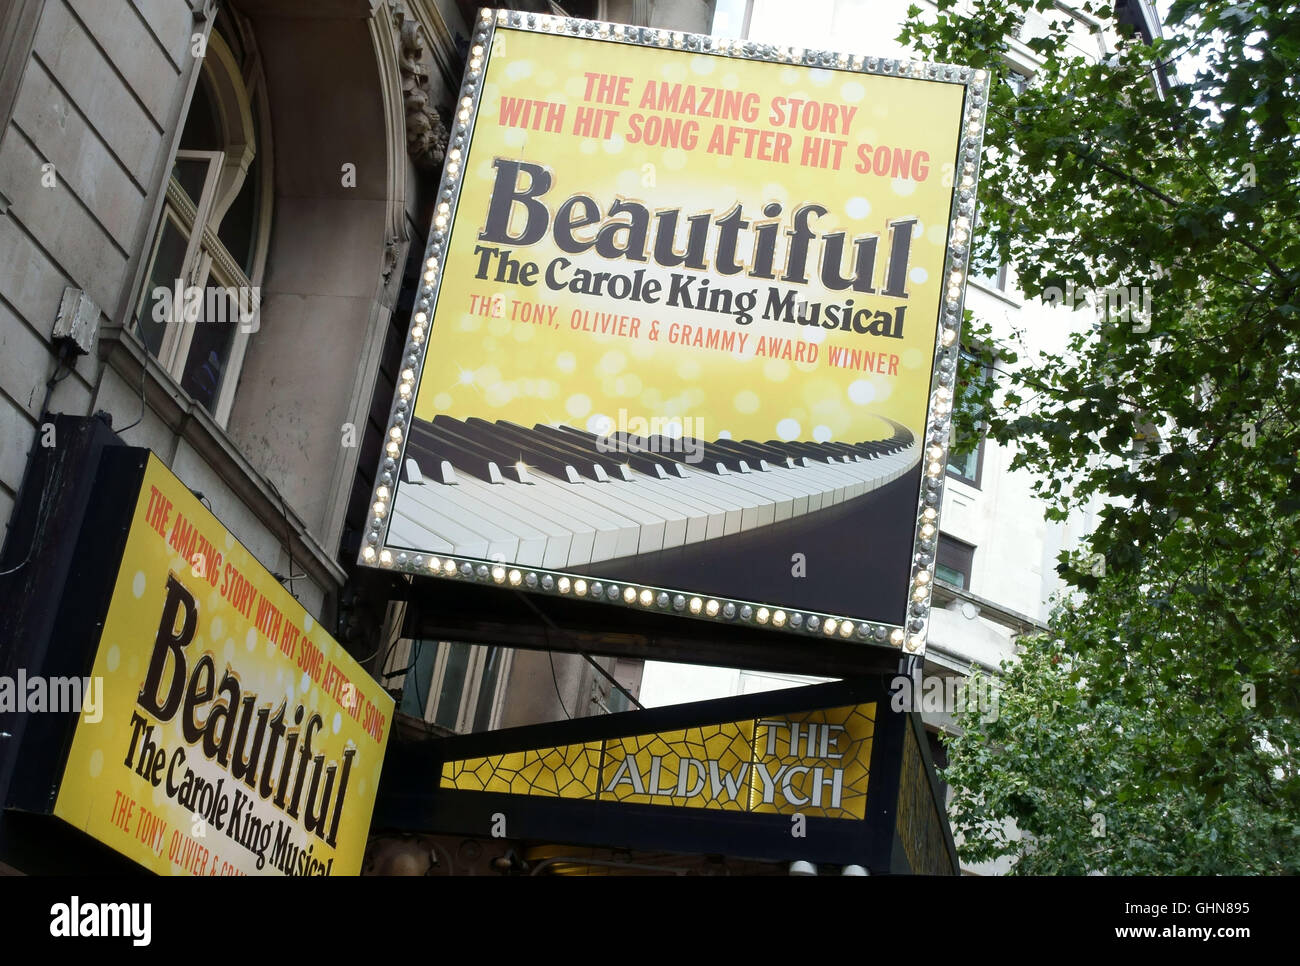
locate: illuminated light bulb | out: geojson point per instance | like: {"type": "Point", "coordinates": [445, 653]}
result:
{"type": "Point", "coordinates": [927, 530]}
{"type": "Point", "coordinates": [435, 563]}
{"type": "Point", "coordinates": [440, 221]}
{"type": "Point", "coordinates": [392, 449]}
{"type": "Point", "coordinates": [499, 574]}
{"type": "Point", "coordinates": [711, 608]}
{"type": "Point", "coordinates": [923, 577]}
{"type": "Point", "coordinates": [516, 578]}
{"type": "Point", "coordinates": [846, 629]}
{"type": "Point", "coordinates": [918, 594]}
{"type": "Point", "coordinates": [476, 51]}
{"type": "Point", "coordinates": [629, 594]}
{"type": "Point", "coordinates": [934, 452]}
{"type": "Point", "coordinates": [404, 389]}
{"type": "Point", "coordinates": [408, 375]}
{"type": "Point", "coordinates": [695, 605]}
{"type": "Point", "coordinates": [934, 469]}
{"type": "Point", "coordinates": [381, 493]}
{"type": "Point", "coordinates": [896, 636]}
{"type": "Point", "coordinates": [449, 567]}
{"type": "Point", "coordinates": [914, 642]}
{"type": "Point", "coordinates": [949, 337]}
{"type": "Point", "coordinates": [563, 585]}
{"type": "Point", "coordinates": [421, 318]}
{"type": "Point", "coordinates": [929, 514]}
{"type": "Point", "coordinates": [778, 618]}
{"type": "Point", "coordinates": [379, 508]}
{"type": "Point", "coordinates": [431, 264]}
{"type": "Point", "coordinates": [647, 598]}
{"type": "Point", "coordinates": [417, 333]}
{"type": "Point", "coordinates": [368, 554]}
{"type": "Point", "coordinates": [831, 626]}
{"type": "Point", "coordinates": [580, 588]}
{"type": "Point", "coordinates": [385, 558]}
{"type": "Point", "coordinates": [762, 615]}
{"type": "Point", "coordinates": [395, 432]}
{"type": "Point", "coordinates": [485, 13]}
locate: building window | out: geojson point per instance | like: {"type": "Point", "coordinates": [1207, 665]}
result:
{"type": "Point", "coordinates": [985, 267]}
{"type": "Point", "coordinates": [454, 685]}
{"type": "Point", "coordinates": [201, 297]}
{"type": "Point", "coordinates": [953, 561]}
{"type": "Point", "coordinates": [966, 455]}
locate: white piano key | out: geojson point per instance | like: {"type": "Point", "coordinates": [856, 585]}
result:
{"type": "Point", "coordinates": [462, 521]}
{"type": "Point", "coordinates": [620, 528]}
{"type": "Point", "coordinates": [568, 539]}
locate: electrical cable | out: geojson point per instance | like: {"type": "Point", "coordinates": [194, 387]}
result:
{"type": "Point", "coordinates": [558, 697]}
{"type": "Point", "coordinates": [562, 632]}
{"type": "Point", "coordinates": [144, 371]}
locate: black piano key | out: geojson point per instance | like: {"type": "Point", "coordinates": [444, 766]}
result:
{"type": "Point", "coordinates": [701, 455]}
{"type": "Point", "coordinates": [813, 452]}
{"type": "Point", "coordinates": [510, 446]}
{"type": "Point", "coordinates": [651, 464]}
{"type": "Point", "coordinates": [757, 451]}
{"type": "Point", "coordinates": [507, 457]}
{"type": "Point", "coordinates": [614, 464]}
{"type": "Point", "coordinates": [465, 454]}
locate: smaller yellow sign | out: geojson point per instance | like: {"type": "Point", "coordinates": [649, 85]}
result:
{"type": "Point", "coordinates": [237, 736]}
{"type": "Point", "coordinates": [813, 762]}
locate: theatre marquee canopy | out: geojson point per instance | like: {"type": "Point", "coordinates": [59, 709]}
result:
{"type": "Point", "coordinates": [686, 336]}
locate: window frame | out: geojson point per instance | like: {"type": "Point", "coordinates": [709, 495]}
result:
{"type": "Point", "coordinates": [238, 93]}
{"type": "Point", "coordinates": [965, 558]}
{"type": "Point", "coordinates": [977, 480]}
{"type": "Point", "coordinates": [470, 690]}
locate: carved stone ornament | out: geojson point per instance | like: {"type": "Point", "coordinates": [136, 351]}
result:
{"type": "Point", "coordinates": [426, 134]}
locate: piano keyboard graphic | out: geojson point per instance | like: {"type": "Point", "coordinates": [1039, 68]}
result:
{"type": "Point", "coordinates": [549, 497]}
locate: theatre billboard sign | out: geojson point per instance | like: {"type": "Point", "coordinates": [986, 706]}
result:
{"type": "Point", "coordinates": [231, 734]}
{"type": "Point", "coordinates": [686, 337]}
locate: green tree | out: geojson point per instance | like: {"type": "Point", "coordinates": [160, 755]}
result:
{"type": "Point", "coordinates": [1153, 729]}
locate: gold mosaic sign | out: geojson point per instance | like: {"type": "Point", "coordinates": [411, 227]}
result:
{"type": "Point", "coordinates": [812, 762]}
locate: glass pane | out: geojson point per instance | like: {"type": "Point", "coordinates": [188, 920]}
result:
{"type": "Point", "coordinates": [952, 576]}
{"type": "Point", "coordinates": [488, 689]}
{"type": "Point", "coordinates": [966, 464]}
{"type": "Point", "coordinates": [160, 289]}
{"type": "Point", "coordinates": [238, 229]}
{"type": "Point", "coordinates": [415, 690]}
{"type": "Point", "coordinates": [214, 334]}
{"type": "Point", "coordinates": [190, 173]}
{"type": "Point", "coordinates": [201, 132]}
{"type": "Point", "coordinates": [453, 685]}
{"type": "Point", "coordinates": [984, 264]}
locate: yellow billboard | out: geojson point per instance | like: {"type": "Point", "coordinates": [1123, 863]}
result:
{"type": "Point", "coordinates": [237, 736]}
{"type": "Point", "coordinates": [686, 312]}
